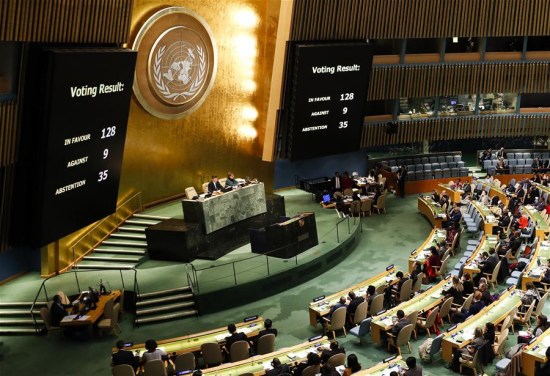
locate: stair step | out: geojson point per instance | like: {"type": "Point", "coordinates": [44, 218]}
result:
{"type": "Point", "coordinates": [163, 292]}
{"type": "Point", "coordinates": [166, 299]}
{"type": "Point", "coordinates": [168, 316]}
{"type": "Point", "coordinates": [121, 251]}
{"type": "Point", "coordinates": [164, 308]}
{"type": "Point", "coordinates": [18, 321]}
{"type": "Point", "coordinates": [111, 258]}
{"type": "Point", "coordinates": [125, 243]}
{"type": "Point", "coordinates": [106, 265]}
{"type": "Point", "coordinates": [137, 229]}
{"type": "Point", "coordinates": [149, 216]}
{"type": "Point", "coordinates": [126, 235]}
{"type": "Point", "coordinates": [141, 222]}
{"type": "Point", "coordinates": [16, 330]}
{"type": "Point", "coordinates": [18, 312]}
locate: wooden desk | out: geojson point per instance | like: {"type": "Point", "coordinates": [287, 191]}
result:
{"type": "Point", "coordinates": [432, 211]}
{"type": "Point", "coordinates": [421, 302]}
{"type": "Point", "coordinates": [543, 189]}
{"type": "Point", "coordinates": [322, 307]}
{"type": "Point", "coordinates": [258, 364]}
{"type": "Point", "coordinates": [535, 352]}
{"type": "Point", "coordinates": [384, 368]}
{"type": "Point", "coordinates": [192, 342]}
{"type": "Point", "coordinates": [471, 265]}
{"type": "Point", "coordinates": [534, 270]}
{"type": "Point", "coordinates": [455, 195]}
{"type": "Point", "coordinates": [463, 334]}
{"type": "Point", "coordinates": [422, 253]}
{"type": "Point", "coordinates": [92, 315]}
{"type": "Point", "coordinates": [494, 190]}
{"type": "Point", "coordinates": [487, 216]}
{"type": "Point", "coordinates": [542, 228]}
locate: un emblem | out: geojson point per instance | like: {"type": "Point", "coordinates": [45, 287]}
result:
{"type": "Point", "coordinates": [176, 63]}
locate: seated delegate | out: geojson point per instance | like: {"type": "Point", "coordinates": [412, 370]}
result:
{"type": "Point", "coordinates": [231, 181]}
{"type": "Point", "coordinates": [214, 185]}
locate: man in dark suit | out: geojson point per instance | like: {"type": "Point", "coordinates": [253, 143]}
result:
{"type": "Point", "coordinates": [267, 329]}
{"type": "Point", "coordinates": [401, 322]}
{"type": "Point", "coordinates": [333, 349]}
{"type": "Point", "coordinates": [234, 337]}
{"type": "Point", "coordinates": [124, 356]}
{"type": "Point", "coordinates": [401, 179]}
{"type": "Point", "coordinates": [354, 301]}
{"type": "Point", "coordinates": [57, 311]}
{"type": "Point", "coordinates": [214, 185]}
{"type": "Point", "coordinates": [336, 182]}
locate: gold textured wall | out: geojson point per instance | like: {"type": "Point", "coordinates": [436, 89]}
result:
{"type": "Point", "coordinates": [163, 157]}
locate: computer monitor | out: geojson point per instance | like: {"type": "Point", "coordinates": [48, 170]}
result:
{"type": "Point", "coordinates": [453, 102]}
{"type": "Point", "coordinates": [326, 198]}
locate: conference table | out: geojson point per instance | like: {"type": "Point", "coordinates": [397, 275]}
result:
{"type": "Point", "coordinates": [542, 227]}
{"type": "Point", "coordinates": [423, 302]}
{"type": "Point", "coordinates": [221, 210]}
{"type": "Point", "coordinates": [455, 195]}
{"type": "Point", "coordinates": [534, 271]}
{"type": "Point", "coordinates": [432, 210]}
{"type": "Point", "coordinates": [91, 316]}
{"type": "Point", "coordinates": [472, 265]}
{"type": "Point", "coordinates": [422, 253]}
{"type": "Point", "coordinates": [462, 334]}
{"type": "Point", "coordinates": [192, 342]}
{"type": "Point", "coordinates": [320, 306]}
{"type": "Point", "coordinates": [535, 352]}
{"type": "Point", "coordinates": [258, 365]}
{"type": "Point", "coordinates": [394, 363]}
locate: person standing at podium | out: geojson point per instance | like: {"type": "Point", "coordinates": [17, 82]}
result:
{"type": "Point", "coordinates": [214, 185]}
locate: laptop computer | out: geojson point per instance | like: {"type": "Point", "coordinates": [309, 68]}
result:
{"type": "Point", "coordinates": [326, 198]}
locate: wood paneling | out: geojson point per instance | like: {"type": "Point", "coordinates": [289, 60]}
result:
{"type": "Point", "coordinates": [394, 19]}
{"type": "Point", "coordinates": [455, 128]}
{"type": "Point", "coordinates": [413, 81]}
{"type": "Point", "coordinates": [65, 21]}
{"type": "Point", "coordinates": [8, 132]}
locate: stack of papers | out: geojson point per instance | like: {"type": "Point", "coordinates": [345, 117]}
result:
{"type": "Point", "coordinates": [220, 337]}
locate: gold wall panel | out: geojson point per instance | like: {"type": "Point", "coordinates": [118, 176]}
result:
{"type": "Point", "coordinates": [163, 157]}
{"type": "Point", "coordinates": [65, 21]}
{"type": "Point", "coordinates": [456, 128]}
{"type": "Point", "coordinates": [396, 81]}
{"type": "Point", "coordinates": [393, 19]}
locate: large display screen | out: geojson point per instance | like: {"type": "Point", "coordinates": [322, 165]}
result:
{"type": "Point", "coordinates": [83, 120]}
{"type": "Point", "coordinates": [329, 89]}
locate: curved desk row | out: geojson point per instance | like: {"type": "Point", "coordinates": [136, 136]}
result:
{"type": "Point", "coordinates": [533, 272]}
{"type": "Point", "coordinates": [258, 365]}
{"type": "Point", "coordinates": [421, 254]}
{"type": "Point", "coordinates": [542, 227]}
{"type": "Point", "coordinates": [422, 303]}
{"type": "Point", "coordinates": [432, 210]}
{"type": "Point", "coordinates": [192, 342]}
{"type": "Point", "coordinates": [535, 352]}
{"type": "Point", "coordinates": [463, 334]}
{"type": "Point", "coordinates": [321, 306]}
{"type": "Point", "coordinates": [471, 266]}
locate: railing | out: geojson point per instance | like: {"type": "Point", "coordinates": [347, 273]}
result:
{"type": "Point", "coordinates": [262, 263]}
{"type": "Point", "coordinates": [101, 230]}
{"type": "Point", "coordinates": [62, 282]}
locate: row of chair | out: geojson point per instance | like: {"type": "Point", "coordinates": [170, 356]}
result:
{"type": "Point", "coordinates": [438, 174]}
{"type": "Point", "coordinates": [422, 160]}
{"type": "Point", "coordinates": [523, 155]}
